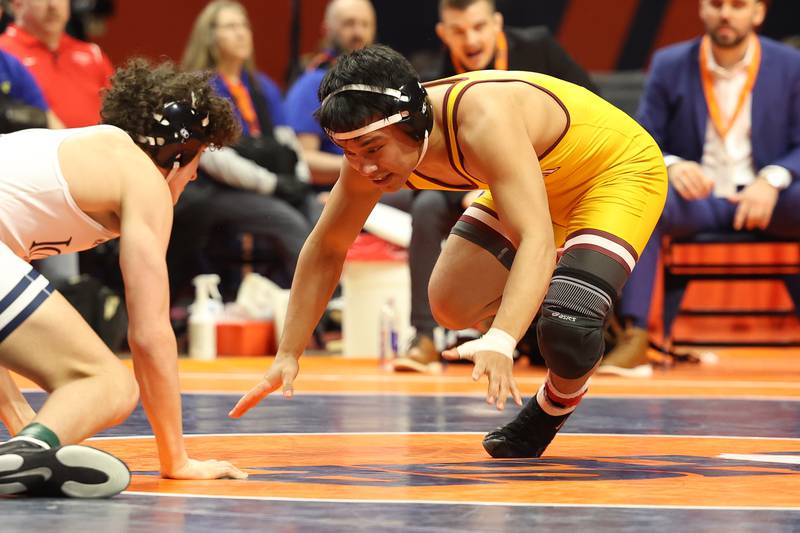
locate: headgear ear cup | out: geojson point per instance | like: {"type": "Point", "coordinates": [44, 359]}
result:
{"type": "Point", "coordinates": [421, 117]}
{"type": "Point", "coordinates": [177, 136]}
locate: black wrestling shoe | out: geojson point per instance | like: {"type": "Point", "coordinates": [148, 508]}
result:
{"type": "Point", "coordinates": [69, 471]}
{"type": "Point", "coordinates": [526, 436]}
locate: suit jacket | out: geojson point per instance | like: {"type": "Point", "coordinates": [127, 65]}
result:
{"type": "Point", "coordinates": [673, 108]}
{"type": "Point", "coordinates": [532, 49]}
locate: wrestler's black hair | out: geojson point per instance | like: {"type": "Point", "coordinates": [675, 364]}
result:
{"type": "Point", "coordinates": [375, 66]}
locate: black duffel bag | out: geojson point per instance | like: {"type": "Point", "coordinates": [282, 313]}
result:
{"type": "Point", "coordinates": [102, 308]}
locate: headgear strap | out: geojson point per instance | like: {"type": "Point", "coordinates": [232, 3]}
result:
{"type": "Point", "coordinates": [400, 116]}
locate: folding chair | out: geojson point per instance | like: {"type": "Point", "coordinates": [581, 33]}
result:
{"type": "Point", "coordinates": [678, 274]}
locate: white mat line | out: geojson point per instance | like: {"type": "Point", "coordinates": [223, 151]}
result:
{"type": "Point", "coordinates": [687, 396]}
{"type": "Point", "coordinates": [762, 458]}
{"type": "Point", "coordinates": [392, 433]}
{"type": "Point", "coordinates": [473, 503]}
{"type": "Point", "coordinates": [395, 378]}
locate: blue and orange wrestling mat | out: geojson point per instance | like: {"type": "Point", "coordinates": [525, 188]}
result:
{"type": "Point", "coordinates": [697, 448]}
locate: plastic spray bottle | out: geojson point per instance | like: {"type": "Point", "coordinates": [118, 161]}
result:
{"type": "Point", "coordinates": [388, 334]}
{"type": "Point", "coordinates": [203, 315]}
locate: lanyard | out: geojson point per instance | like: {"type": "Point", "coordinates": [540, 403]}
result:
{"type": "Point", "coordinates": [500, 55]}
{"type": "Point", "coordinates": [708, 85]}
{"type": "Point", "coordinates": [244, 103]}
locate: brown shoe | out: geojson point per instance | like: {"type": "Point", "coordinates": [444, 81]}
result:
{"type": "Point", "coordinates": [629, 357]}
{"type": "Point", "coordinates": [421, 356]}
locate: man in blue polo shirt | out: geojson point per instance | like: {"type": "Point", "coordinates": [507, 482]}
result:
{"type": "Point", "coordinates": [22, 104]}
{"type": "Point", "coordinates": [349, 25]}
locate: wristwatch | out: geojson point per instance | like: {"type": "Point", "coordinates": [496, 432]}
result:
{"type": "Point", "coordinates": [778, 177]}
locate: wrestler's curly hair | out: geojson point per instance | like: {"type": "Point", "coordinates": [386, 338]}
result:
{"type": "Point", "coordinates": [140, 88]}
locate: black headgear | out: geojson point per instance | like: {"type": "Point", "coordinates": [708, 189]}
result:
{"type": "Point", "coordinates": [177, 136]}
{"type": "Point", "coordinates": [411, 107]}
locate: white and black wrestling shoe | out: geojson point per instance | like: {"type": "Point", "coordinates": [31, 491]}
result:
{"type": "Point", "coordinates": [73, 471]}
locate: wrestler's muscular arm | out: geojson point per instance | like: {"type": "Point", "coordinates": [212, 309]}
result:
{"type": "Point", "coordinates": [145, 215]}
{"type": "Point", "coordinates": [318, 270]}
{"type": "Point", "coordinates": [498, 146]}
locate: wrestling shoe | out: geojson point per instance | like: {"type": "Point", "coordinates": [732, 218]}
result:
{"type": "Point", "coordinates": [73, 471]}
{"type": "Point", "coordinates": [527, 435]}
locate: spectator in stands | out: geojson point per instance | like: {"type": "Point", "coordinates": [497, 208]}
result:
{"type": "Point", "coordinates": [22, 104]}
{"type": "Point", "coordinates": [71, 73]}
{"type": "Point", "coordinates": [88, 18]}
{"type": "Point", "coordinates": [725, 110]}
{"type": "Point", "coordinates": [259, 185]}
{"type": "Point", "coordinates": [474, 39]}
{"type": "Point", "coordinates": [5, 18]}
{"type": "Point", "coordinates": [349, 25]}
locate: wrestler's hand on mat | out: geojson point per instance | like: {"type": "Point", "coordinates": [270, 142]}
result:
{"type": "Point", "coordinates": [282, 372]}
{"type": "Point", "coordinates": [755, 204]}
{"type": "Point", "coordinates": [211, 469]}
{"type": "Point", "coordinates": [689, 180]}
{"type": "Point", "coordinates": [495, 365]}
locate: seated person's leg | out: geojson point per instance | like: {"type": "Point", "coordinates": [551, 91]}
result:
{"type": "Point", "coordinates": [402, 199]}
{"type": "Point", "coordinates": [191, 224]}
{"type": "Point", "coordinates": [281, 223]}
{"type": "Point", "coordinates": [785, 221]}
{"type": "Point", "coordinates": [433, 213]}
{"type": "Point", "coordinates": [680, 218]}
{"type": "Point", "coordinates": [311, 208]}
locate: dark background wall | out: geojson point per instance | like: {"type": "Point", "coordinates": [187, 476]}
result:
{"type": "Point", "coordinates": [603, 35]}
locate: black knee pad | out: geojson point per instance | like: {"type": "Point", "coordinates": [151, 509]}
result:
{"type": "Point", "coordinates": [570, 329]}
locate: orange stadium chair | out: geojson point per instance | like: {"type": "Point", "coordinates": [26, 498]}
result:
{"type": "Point", "coordinates": [680, 268]}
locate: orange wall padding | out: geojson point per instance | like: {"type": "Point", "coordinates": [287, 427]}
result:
{"type": "Point", "coordinates": [681, 22]}
{"type": "Point", "coordinates": [592, 36]}
{"type": "Point", "coordinates": [160, 28]}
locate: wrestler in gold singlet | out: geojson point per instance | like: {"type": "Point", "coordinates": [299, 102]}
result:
{"type": "Point", "coordinates": [603, 188]}
{"type": "Point", "coordinates": [604, 176]}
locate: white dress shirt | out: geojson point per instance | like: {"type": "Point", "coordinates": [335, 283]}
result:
{"type": "Point", "coordinates": [729, 161]}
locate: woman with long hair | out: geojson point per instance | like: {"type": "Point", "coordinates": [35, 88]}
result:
{"type": "Point", "coordinates": [257, 186]}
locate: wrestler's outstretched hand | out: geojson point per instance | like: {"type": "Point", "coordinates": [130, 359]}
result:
{"type": "Point", "coordinates": [282, 372]}
{"type": "Point", "coordinates": [495, 365]}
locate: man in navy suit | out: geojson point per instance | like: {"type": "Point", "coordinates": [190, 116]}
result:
{"type": "Point", "coordinates": [725, 110]}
